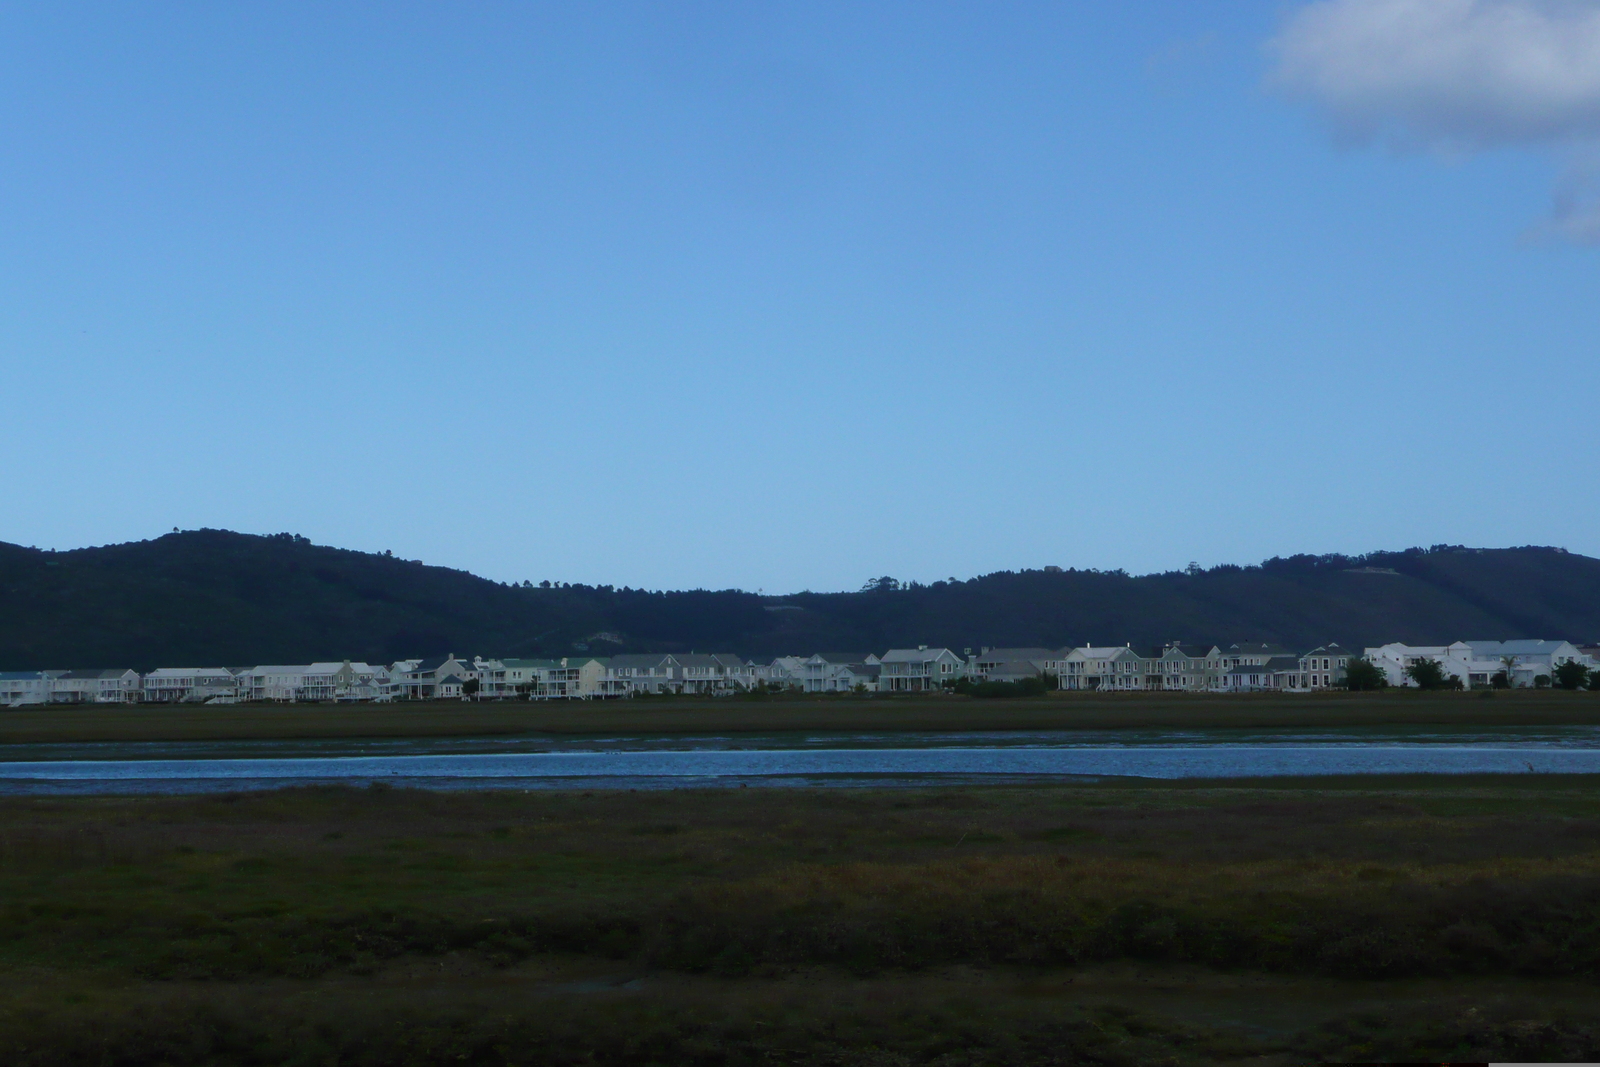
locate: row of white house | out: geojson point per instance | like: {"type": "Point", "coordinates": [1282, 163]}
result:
{"type": "Point", "coordinates": [1475, 663]}
{"type": "Point", "coordinates": [1249, 667]}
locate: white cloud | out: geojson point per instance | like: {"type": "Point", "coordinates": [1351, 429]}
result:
{"type": "Point", "coordinates": [1457, 76]}
{"type": "Point", "coordinates": [1452, 74]}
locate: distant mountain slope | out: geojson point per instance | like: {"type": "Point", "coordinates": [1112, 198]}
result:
{"type": "Point", "coordinates": [212, 597]}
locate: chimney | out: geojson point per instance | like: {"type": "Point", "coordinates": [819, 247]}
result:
{"type": "Point", "coordinates": [922, 648]}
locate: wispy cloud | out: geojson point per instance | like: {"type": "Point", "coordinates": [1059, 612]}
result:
{"type": "Point", "coordinates": [1456, 76]}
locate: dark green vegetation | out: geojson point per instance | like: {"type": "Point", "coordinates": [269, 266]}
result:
{"type": "Point", "coordinates": [216, 598]}
{"type": "Point", "coordinates": [1415, 919]}
{"type": "Point", "coordinates": [689, 715]}
{"type": "Point", "coordinates": [1363, 676]}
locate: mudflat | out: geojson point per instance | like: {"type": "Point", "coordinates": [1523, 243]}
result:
{"type": "Point", "coordinates": [683, 715]}
{"type": "Point", "coordinates": [1283, 921]}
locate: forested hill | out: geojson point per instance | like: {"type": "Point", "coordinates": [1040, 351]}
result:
{"type": "Point", "coordinates": [211, 597]}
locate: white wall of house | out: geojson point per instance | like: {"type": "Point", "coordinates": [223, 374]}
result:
{"type": "Point", "coordinates": [97, 687]}
{"type": "Point", "coordinates": [918, 669]}
{"type": "Point", "coordinates": [1103, 667]}
{"type": "Point", "coordinates": [18, 688]}
{"type": "Point", "coordinates": [174, 685]}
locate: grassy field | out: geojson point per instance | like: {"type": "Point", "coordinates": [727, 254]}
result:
{"type": "Point", "coordinates": [1064, 711]}
{"type": "Point", "coordinates": [1264, 922]}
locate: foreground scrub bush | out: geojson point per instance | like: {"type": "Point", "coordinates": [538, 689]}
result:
{"type": "Point", "coordinates": [1029, 911]}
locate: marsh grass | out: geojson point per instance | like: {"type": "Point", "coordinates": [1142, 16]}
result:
{"type": "Point", "coordinates": [184, 919]}
{"type": "Point", "coordinates": [815, 712]}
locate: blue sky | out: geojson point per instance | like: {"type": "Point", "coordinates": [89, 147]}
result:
{"type": "Point", "coordinates": [789, 296]}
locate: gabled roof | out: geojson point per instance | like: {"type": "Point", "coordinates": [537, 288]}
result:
{"type": "Point", "coordinates": [1103, 651]}
{"type": "Point", "coordinates": [841, 657]}
{"type": "Point", "coordinates": [1016, 655]}
{"type": "Point", "coordinates": [1524, 647]}
{"type": "Point", "coordinates": [915, 655]}
{"type": "Point", "coordinates": [641, 659]}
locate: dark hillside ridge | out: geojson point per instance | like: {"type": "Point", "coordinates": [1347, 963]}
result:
{"type": "Point", "coordinates": [215, 598]}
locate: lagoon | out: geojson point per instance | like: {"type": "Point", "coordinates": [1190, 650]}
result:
{"type": "Point", "coordinates": [793, 759]}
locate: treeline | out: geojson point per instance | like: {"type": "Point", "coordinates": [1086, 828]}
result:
{"type": "Point", "coordinates": [214, 597]}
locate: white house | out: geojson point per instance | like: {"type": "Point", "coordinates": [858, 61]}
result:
{"type": "Point", "coordinates": [1102, 667]}
{"type": "Point", "coordinates": [422, 680]}
{"type": "Point", "coordinates": [708, 673]}
{"type": "Point", "coordinates": [1322, 668]}
{"type": "Point", "coordinates": [1457, 659]}
{"type": "Point", "coordinates": [865, 676]}
{"type": "Point", "coordinates": [633, 673]}
{"type": "Point", "coordinates": [1193, 668]}
{"type": "Point", "coordinates": [506, 679]}
{"type": "Point", "coordinates": [174, 685]}
{"type": "Point", "coordinates": [280, 682]}
{"type": "Point", "coordinates": [918, 669]}
{"type": "Point", "coordinates": [1270, 674]}
{"type": "Point", "coordinates": [571, 678]}
{"type": "Point", "coordinates": [1251, 654]}
{"type": "Point", "coordinates": [787, 672]}
{"type": "Point", "coordinates": [828, 672]}
{"type": "Point", "coordinates": [981, 667]}
{"type": "Point", "coordinates": [344, 681]}
{"type": "Point", "coordinates": [97, 687]}
{"type": "Point", "coordinates": [25, 687]}
{"type": "Point", "coordinates": [1524, 661]}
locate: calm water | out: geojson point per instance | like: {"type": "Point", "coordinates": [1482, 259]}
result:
{"type": "Point", "coordinates": [796, 759]}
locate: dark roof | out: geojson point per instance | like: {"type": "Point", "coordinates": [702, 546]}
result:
{"type": "Point", "coordinates": [1017, 655]}
{"type": "Point", "coordinates": [640, 659]}
{"type": "Point", "coordinates": [1258, 648]}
